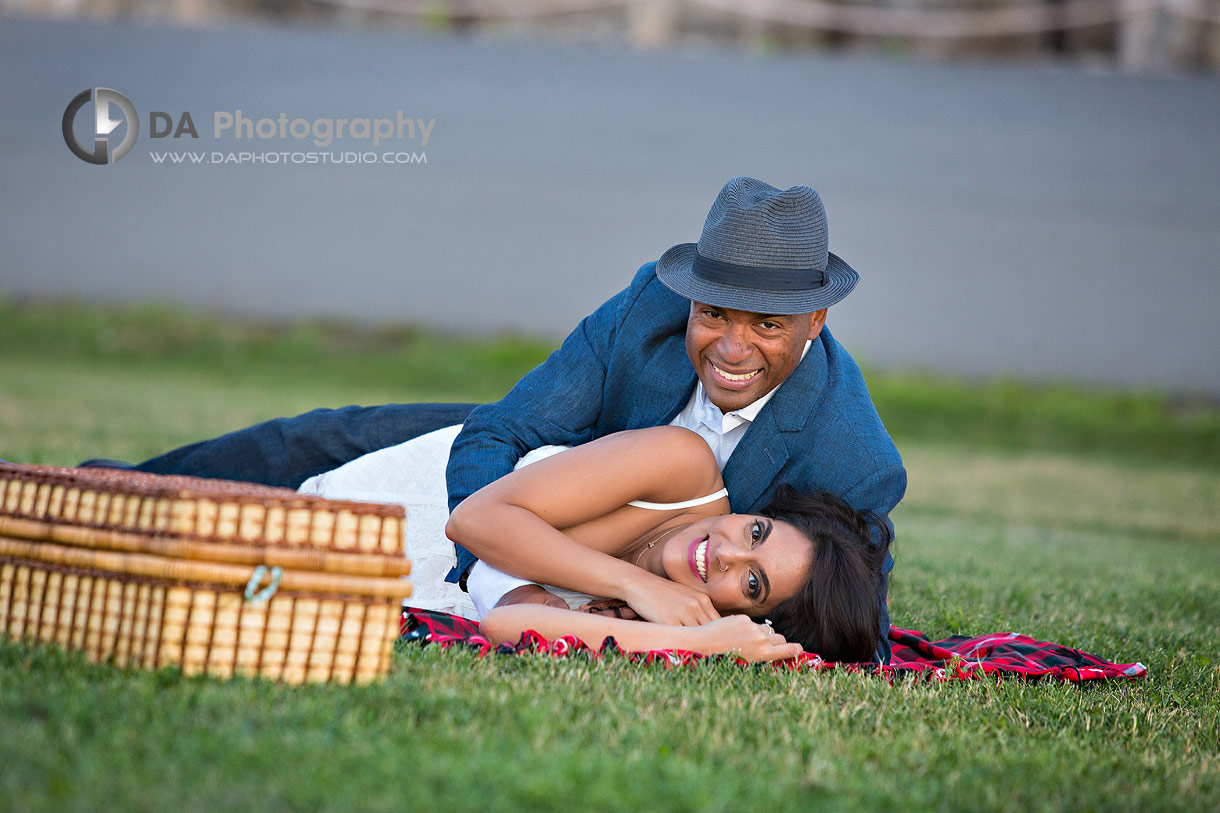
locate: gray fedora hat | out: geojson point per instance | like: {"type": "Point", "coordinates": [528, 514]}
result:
{"type": "Point", "coordinates": [762, 250]}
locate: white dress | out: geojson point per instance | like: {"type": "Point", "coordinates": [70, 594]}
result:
{"type": "Point", "coordinates": [412, 474]}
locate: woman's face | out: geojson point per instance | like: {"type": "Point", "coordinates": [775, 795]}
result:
{"type": "Point", "coordinates": [745, 563]}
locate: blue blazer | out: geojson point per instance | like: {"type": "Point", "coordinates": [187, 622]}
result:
{"type": "Point", "coordinates": [625, 367]}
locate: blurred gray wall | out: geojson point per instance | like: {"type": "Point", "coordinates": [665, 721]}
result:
{"type": "Point", "coordinates": [1028, 220]}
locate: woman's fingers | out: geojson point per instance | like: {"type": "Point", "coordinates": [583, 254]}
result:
{"type": "Point", "coordinates": [773, 651]}
{"type": "Point", "coordinates": [702, 611]}
{"type": "Point", "coordinates": [738, 635]}
{"type": "Point", "coordinates": [765, 644]}
{"type": "Point", "coordinates": [665, 602]}
{"type": "Point", "coordinates": [788, 651]}
{"type": "Point", "coordinates": [770, 647]}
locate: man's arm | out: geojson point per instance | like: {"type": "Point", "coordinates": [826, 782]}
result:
{"type": "Point", "coordinates": [558, 402]}
{"type": "Point", "coordinates": [531, 594]}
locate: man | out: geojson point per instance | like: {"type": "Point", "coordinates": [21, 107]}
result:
{"type": "Point", "coordinates": [726, 337]}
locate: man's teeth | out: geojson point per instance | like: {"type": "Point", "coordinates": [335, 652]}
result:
{"type": "Point", "coordinates": [701, 559]}
{"type": "Point", "coordinates": [732, 377]}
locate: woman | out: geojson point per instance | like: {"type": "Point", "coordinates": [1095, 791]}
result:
{"type": "Point", "coordinates": [642, 517]}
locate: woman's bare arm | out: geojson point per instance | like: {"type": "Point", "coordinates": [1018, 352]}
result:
{"type": "Point", "coordinates": [735, 633]}
{"type": "Point", "coordinates": [512, 523]}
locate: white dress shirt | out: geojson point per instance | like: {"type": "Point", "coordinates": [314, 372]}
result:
{"type": "Point", "coordinates": [721, 431]}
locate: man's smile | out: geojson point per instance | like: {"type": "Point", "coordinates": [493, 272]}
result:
{"type": "Point", "coordinates": [735, 378]}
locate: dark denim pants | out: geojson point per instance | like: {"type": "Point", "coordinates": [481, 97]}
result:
{"type": "Point", "coordinates": [287, 451]}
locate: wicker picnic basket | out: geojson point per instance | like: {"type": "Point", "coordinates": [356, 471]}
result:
{"type": "Point", "coordinates": [213, 576]}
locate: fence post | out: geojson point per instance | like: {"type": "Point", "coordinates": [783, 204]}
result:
{"type": "Point", "coordinates": [1143, 41]}
{"type": "Point", "coordinates": [652, 23]}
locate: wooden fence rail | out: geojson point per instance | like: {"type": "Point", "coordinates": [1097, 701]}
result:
{"type": "Point", "coordinates": [856, 19]}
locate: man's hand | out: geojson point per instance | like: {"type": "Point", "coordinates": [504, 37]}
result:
{"type": "Point", "coordinates": [531, 594]}
{"type": "Point", "coordinates": [610, 607]}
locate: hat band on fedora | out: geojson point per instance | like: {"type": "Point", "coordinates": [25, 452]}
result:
{"type": "Point", "coordinates": [748, 276]}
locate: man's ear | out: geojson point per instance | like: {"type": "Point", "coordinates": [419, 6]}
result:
{"type": "Point", "coordinates": [816, 320]}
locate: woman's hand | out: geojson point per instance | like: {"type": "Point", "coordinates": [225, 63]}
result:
{"type": "Point", "coordinates": [738, 635]}
{"type": "Point", "coordinates": [664, 602]}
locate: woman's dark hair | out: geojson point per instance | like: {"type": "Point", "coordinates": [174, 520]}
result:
{"type": "Point", "coordinates": [835, 612]}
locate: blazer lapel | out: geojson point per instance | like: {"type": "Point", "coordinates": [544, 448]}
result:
{"type": "Point", "coordinates": [663, 388]}
{"type": "Point", "coordinates": [759, 459]}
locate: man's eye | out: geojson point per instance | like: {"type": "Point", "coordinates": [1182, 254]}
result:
{"type": "Point", "coordinates": [712, 314]}
{"type": "Point", "coordinates": [769, 325]}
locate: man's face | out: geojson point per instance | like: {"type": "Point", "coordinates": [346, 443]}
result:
{"type": "Point", "coordinates": [741, 356]}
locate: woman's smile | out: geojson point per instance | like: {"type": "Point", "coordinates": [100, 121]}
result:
{"type": "Point", "coordinates": [744, 563]}
{"type": "Point", "coordinates": [697, 558]}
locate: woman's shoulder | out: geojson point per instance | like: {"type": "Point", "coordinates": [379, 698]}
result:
{"type": "Point", "coordinates": [683, 455]}
{"type": "Point", "coordinates": [677, 442]}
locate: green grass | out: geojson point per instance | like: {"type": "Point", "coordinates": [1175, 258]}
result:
{"type": "Point", "coordinates": [122, 380]}
{"type": "Point", "coordinates": [125, 383]}
{"type": "Point", "coordinates": [1062, 418]}
{"type": "Point", "coordinates": [1083, 517]}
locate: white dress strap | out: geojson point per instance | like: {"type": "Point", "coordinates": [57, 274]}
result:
{"type": "Point", "coordinates": [673, 506]}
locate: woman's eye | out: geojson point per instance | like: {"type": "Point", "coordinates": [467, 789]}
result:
{"type": "Point", "coordinates": [752, 584]}
{"type": "Point", "coordinates": [755, 533]}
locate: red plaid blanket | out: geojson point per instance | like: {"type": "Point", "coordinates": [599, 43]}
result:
{"type": "Point", "coordinates": [957, 657]}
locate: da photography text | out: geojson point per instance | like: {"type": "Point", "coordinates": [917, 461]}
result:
{"type": "Point", "coordinates": [323, 132]}
{"type": "Point", "coordinates": [396, 139]}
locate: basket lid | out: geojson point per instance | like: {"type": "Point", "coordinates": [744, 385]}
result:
{"type": "Point", "coordinates": [198, 508]}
